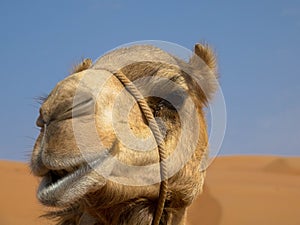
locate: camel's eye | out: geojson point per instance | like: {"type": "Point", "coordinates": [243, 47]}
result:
{"type": "Point", "coordinates": [174, 100]}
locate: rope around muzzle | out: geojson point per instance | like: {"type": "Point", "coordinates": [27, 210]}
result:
{"type": "Point", "coordinates": [159, 141]}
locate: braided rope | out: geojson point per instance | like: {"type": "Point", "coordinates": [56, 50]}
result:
{"type": "Point", "coordinates": [158, 138]}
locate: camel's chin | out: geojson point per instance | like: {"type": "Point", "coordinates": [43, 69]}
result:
{"type": "Point", "coordinates": [60, 188]}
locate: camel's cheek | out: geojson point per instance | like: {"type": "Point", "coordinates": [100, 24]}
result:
{"type": "Point", "coordinates": [104, 111]}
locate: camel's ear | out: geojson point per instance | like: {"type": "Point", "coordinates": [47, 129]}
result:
{"type": "Point", "coordinates": [205, 52]}
{"type": "Point", "coordinates": [85, 64]}
{"type": "Point", "coordinates": [204, 64]}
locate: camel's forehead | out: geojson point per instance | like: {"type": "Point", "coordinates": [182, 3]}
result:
{"type": "Point", "coordinates": [88, 83]}
{"type": "Point", "coordinates": [122, 57]}
{"type": "Point", "coordinates": [66, 87]}
{"type": "Point", "coordinates": [84, 80]}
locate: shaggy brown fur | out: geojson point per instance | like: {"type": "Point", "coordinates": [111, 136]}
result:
{"type": "Point", "coordinates": [92, 199]}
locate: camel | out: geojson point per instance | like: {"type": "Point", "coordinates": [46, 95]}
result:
{"type": "Point", "coordinates": [67, 157]}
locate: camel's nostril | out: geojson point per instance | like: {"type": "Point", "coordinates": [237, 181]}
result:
{"type": "Point", "coordinates": [40, 122]}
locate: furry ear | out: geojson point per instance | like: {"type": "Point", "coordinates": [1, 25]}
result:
{"type": "Point", "coordinates": [85, 64]}
{"type": "Point", "coordinates": [204, 66]}
{"type": "Point", "coordinates": [205, 52]}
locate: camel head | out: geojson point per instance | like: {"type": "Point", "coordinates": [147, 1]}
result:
{"type": "Point", "coordinates": [96, 155]}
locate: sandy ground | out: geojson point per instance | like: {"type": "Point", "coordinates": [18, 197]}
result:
{"type": "Point", "coordinates": [239, 190]}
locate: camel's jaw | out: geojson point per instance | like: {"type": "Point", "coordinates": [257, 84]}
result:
{"type": "Point", "coordinates": [64, 187]}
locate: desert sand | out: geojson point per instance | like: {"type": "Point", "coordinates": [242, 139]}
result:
{"type": "Point", "coordinates": [239, 190]}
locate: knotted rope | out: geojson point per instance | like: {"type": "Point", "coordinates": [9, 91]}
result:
{"type": "Point", "coordinates": [158, 138]}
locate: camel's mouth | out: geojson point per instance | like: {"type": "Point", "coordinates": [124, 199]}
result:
{"type": "Point", "coordinates": [58, 183]}
{"type": "Point", "coordinates": [58, 187]}
{"type": "Point", "coordinates": [56, 175]}
{"type": "Point", "coordinates": [55, 178]}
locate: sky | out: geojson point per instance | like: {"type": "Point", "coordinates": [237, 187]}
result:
{"type": "Point", "coordinates": [257, 45]}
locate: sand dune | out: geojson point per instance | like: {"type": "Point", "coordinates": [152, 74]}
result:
{"type": "Point", "coordinates": [18, 204]}
{"type": "Point", "coordinates": [250, 190]}
{"type": "Point", "coordinates": [238, 191]}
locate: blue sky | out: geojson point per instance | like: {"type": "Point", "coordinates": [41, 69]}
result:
{"type": "Point", "coordinates": [257, 43]}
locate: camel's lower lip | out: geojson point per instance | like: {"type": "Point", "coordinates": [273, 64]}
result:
{"type": "Point", "coordinates": [55, 178]}
{"type": "Point", "coordinates": [56, 184]}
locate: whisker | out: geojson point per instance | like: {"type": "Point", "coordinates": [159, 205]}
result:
{"type": "Point", "coordinates": [41, 99]}
{"type": "Point", "coordinates": [34, 106]}
{"type": "Point", "coordinates": [30, 138]}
